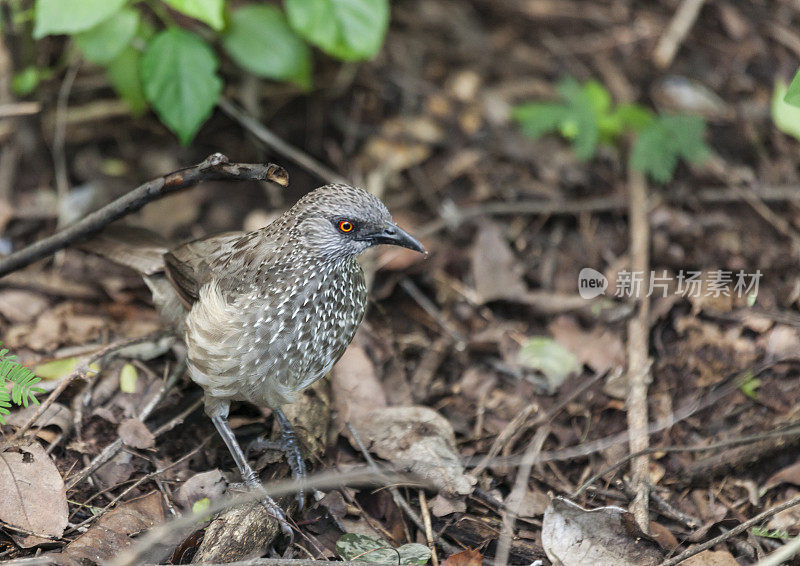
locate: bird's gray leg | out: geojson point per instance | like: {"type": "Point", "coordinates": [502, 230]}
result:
{"type": "Point", "coordinates": [290, 446]}
{"type": "Point", "coordinates": [248, 475]}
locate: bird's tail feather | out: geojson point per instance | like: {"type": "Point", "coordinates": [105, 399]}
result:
{"type": "Point", "coordinates": [131, 246]}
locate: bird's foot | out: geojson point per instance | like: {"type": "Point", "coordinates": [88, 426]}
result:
{"type": "Point", "coordinates": [290, 446]}
{"type": "Point", "coordinates": [251, 483]}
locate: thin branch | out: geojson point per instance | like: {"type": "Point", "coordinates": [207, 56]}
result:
{"type": "Point", "coordinates": [638, 350]}
{"type": "Point", "coordinates": [517, 495]}
{"type": "Point", "coordinates": [268, 138]}
{"type": "Point", "coordinates": [683, 20]}
{"type": "Point", "coordinates": [216, 167]}
{"type": "Point", "coordinates": [764, 515]}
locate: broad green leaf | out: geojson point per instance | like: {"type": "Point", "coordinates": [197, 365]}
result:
{"type": "Point", "coordinates": [550, 358]}
{"type": "Point", "coordinates": [207, 11]}
{"type": "Point", "coordinates": [128, 376]}
{"type": "Point", "coordinates": [793, 92]}
{"type": "Point", "coordinates": [123, 74]}
{"type": "Point", "coordinates": [785, 114]}
{"type": "Point", "coordinates": [364, 548]}
{"type": "Point", "coordinates": [179, 74]}
{"type": "Point", "coordinates": [260, 40]}
{"type": "Point", "coordinates": [71, 16]}
{"type": "Point", "coordinates": [346, 29]}
{"type": "Point", "coordinates": [634, 116]}
{"type": "Point", "coordinates": [106, 40]}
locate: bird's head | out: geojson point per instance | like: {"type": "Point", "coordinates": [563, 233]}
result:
{"type": "Point", "coordinates": [340, 221]}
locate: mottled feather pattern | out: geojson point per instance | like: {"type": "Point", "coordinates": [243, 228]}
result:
{"type": "Point", "coordinates": [278, 307]}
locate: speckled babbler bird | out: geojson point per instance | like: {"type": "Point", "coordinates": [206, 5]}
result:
{"type": "Point", "coordinates": [267, 313]}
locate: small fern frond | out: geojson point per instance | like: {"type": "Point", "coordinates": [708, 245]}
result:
{"type": "Point", "coordinates": [22, 382]}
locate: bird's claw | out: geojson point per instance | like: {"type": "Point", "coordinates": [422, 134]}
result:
{"type": "Point", "coordinates": [289, 445]}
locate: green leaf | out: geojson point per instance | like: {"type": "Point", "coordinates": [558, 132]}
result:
{"type": "Point", "coordinates": [26, 81]}
{"type": "Point", "coordinates": [664, 141]}
{"type": "Point", "coordinates": [106, 40]}
{"type": "Point", "coordinates": [179, 74]}
{"type": "Point", "coordinates": [128, 376]}
{"type": "Point", "coordinates": [550, 358]}
{"type": "Point", "coordinates": [123, 74]}
{"type": "Point", "coordinates": [71, 16]}
{"type": "Point", "coordinates": [260, 40]}
{"type": "Point", "coordinates": [207, 11]}
{"type": "Point", "coordinates": [56, 369]}
{"type": "Point", "coordinates": [539, 118]}
{"type": "Point", "coordinates": [346, 29]}
{"type": "Point", "coordinates": [785, 114]}
{"type": "Point", "coordinates": [792, 95]}
{"type": "Point", "coordinates": [364, 548]}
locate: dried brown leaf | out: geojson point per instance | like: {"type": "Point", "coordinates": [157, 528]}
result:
{"type": "Point", "coordinates": [468, 557]}
{"type": "Point", "coordinates": [111, 533]}
{"type": "Point", "coordinates": [711, 558]}
{"type": "Point", "coordinates": [355, 387]}
{"type": "Point", "coordinates": [496, 273]}
{"type": "Point", "coordinates": [135, 434]}
{"type": "Point", "coordinates": [419, 440]}
{"type": "Point", "coordinates": [33, 493]}
{"type": "Point", "coordinates": [606, 536]}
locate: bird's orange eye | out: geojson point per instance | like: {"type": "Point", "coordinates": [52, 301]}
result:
{"type": "Point", "coordinates": [346, 226]}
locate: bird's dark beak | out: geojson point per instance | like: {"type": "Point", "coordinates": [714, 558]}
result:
{"type": "Point", "coordinates": [396, 236]}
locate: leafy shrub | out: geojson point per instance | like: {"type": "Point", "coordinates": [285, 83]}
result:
{"type": "Point", "coordinates": [175, 70]}
{"type": "Point", "coordinates": [586, 116]}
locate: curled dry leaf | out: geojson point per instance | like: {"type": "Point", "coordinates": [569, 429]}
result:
{"type": "Point", "coordinates": [606, 536]}
{"type": "Point", "coordinates": [111, 533]}
{"type": "Point", "coordinates": [135, 434]}
{"type": "Point", "coordinates": [789, 474]}
{"type": "Point", "coordinates": [600, 349]}
{"type": "Point", "coordinates": [419, 440]}
{"type": "Point", "coordinates": [56, 415]}
{"type": "Point", "coordinates": [33, 496]}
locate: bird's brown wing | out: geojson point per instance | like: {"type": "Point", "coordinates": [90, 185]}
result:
{"type": "Point", "coordinates": [190, 266]}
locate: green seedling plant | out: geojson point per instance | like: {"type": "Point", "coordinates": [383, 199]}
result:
{"type": "Point", "coordinates": [22, 381]}
{"type": "Point", "coordinates": [353, 547]}
{"type": "Point", "coordinates": [165, 54]}
{"type": "Point", "coordinates": [586, 115]}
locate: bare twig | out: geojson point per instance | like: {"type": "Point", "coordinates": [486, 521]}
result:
{"type": "Point", "coordinates": [782, 555]}
{"type": "Point", "coordinates": [214, 168]}
{"type": "Point", "coordinates": [287, 150]}
{"type": "Point", "coordinates": [733, 532]}
{"type": "Point", "coordinates": [517, 495]}
{"type": "Point", "coordinates": [453, 216]}
{"type": "Point", "coordinates": [638, 349]}
{"type": "Point", "coordinates": [14, 109]}
{"type": "Point", "coordinates": [426, 518]}
{"type": "Point", "coordinates": [683, 20]}
{"type": "Point", "coordinates": [59, 137]}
